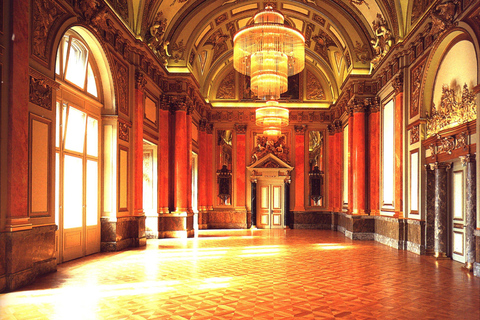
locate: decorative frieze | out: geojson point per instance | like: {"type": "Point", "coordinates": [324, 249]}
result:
{"type": "Point", "coordinates": [452, 111]}
{"type": "Point", "coordinates": [240, 128]}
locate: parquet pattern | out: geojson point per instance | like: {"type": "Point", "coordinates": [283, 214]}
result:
{"type": "Point", "coordinates": [251, 274]}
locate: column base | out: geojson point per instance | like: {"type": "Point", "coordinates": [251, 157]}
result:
{"type": "Point", "coordinates": [176, 225]}
{"type": "Point", "coordinates": [122, 233]}
{"type": "Point", "coordinates": [441, 256]}
{"type": "Point", "coordinates": [476, 269]}
{"type": "Point", "coordinates": [468, 266]}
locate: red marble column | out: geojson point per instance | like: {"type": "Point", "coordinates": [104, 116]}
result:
{"type": "Point", "coordinates": [374, 157]}
{"type": "Point", "coordinates": [137, 131]}
{"type": "Point", "coordinates": [163, 153]}
{"type": "Point", "coordinates": [210, 194]}
{"type": "Point", "coordinates": [17, 131]}
{"type": "Point", "coordinates": [240, 166]}
{"type": "Point", "coordinates": [181, 186]}
{"type": "Point", "coordinates": [350, 160]}
{"type": "Point", "coordinates": [339, 166]}
{"type": "Point", "coordinates": [398, 85]}
{"type": "Point", "coordinates": [332, 167]}
{"type": "Point", "coordinates": [359, 159]}
{"type": "Point", "coordinates": [300, 168]}
{"type": "Point", "coordinates": [202, 162]}
{"type": "Point", "coordinates": [189, 159]}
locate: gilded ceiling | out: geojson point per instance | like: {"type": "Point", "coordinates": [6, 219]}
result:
{"type": "Point", "coordinates": [342, 37]}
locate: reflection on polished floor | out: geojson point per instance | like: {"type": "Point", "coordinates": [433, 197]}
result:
{"type": "Point", "coordinates": [243, 274]}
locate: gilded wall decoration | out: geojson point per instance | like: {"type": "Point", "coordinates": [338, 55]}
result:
{"type": "Point", "coordinates": [45, 14]}
{"type": "Point", "coordinates": [382, 42]}
{"type": "Point", "coordinates": [121, 85]}
{"type": "Point", "coordinates": [308, 33]}
{"type": "Point", "coordinates": [265, 145]}
{"type": "Point", "coordinates": [221, 18]}
{"type": "Point", "coordinates": [359, 3]}
{"type": "Point", "coordinates": [121, 7]}
{"type": "Point", "coordinates": [415, 134]}
{"type": "Point", "coordinates": [320, 20]}
{"type": "Point", "coordinates": [419, 8]}
{"type": "Point", "coordinates": [231, 29]}
{"type": "Point", "coordinates": [443, 16]}
{"type": "Point", "coordinates": [191, 59]}
{"type": "Point", "coordinates": [123, 131]}
{"type": "Point", "coordinates": [203, 59]}
{"type": "Point", "coordinates": [314, 88]}
{"type": "Point", "coordinates": [177, 51]}
{"type": "Point", "coordinates": [416, 75]}
{"type": "Point", "coordinates": [322, 42]}
{"type": "Point", "coordinates": [452, 110]}
{"type": "Point", "coordinates": [40, 93]}
{"type": "Point", "coordinates": [348, 61]}
{"type": "Point", "coordinates": [155, 37]}
{"type": "Point", "coordinates": [226, 89]}
{"type": "Point", "coordinates": [361, 52]}
{"type": "Point", "coordinates": [219, 42]}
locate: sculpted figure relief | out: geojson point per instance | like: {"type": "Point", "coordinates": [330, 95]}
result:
{"type": "Point", "coordinates": [383, 40]}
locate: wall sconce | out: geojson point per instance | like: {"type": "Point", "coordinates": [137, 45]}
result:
{"type": "Point", "coordinates": [316, 184]}
{"type": "Point", "coordinates": [224, 179]}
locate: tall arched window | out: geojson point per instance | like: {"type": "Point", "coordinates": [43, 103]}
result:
{"type": "Point", "coordinates": [78, 117]}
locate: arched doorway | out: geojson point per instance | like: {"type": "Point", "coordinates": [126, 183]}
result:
{"type": "Point", "coordinates": [79, 107]}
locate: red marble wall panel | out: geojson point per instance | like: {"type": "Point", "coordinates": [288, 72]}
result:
{"type": "Point", "coordinates": [138, 153]}
{"type": "Point", "coordinates": [374, 161]}
{"type": "Point", "coordinates": [163, 161]}
{"type": "Point", "coordinates": [181, 163]}
{"type": "Point", "coordinates": [299, 172]}
{"type": "Point", "coordinates": [359, 173]}
{"type": "Point", "coordinates": [240, 171]}
{"type": "Point", "coordinates": [350, 163]}
{"type": "Point", "coordinates": [399, 154]}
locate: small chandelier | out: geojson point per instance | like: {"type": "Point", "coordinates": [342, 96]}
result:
{"type": "Point", "coordinates": [272, 118]}
{"type": "Point", "coordinates": [269, 52]}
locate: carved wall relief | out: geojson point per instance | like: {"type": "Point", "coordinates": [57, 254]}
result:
{"type": "Point", "coordinates": [415, 134]}
{"type": "Point", "coordinates": [40, 93]}
{"type": "Point", "coordinates": [121, 85]}
{"type": "Point", "coordinates": [452, 111]}
{"type": "Point", "coordinates": [45, 14]}
{"type": "Point", "coordinates": [383, 40]}
{"type": "Point", "coordinates": [219, 42]}
{"type": "Point", "coordinates": [314, 88]}
{"type": "Point", "coordinates": [416, 75]}
{"type": "Point", "coordinates": [265, 145]}
{"type": "Point", "coordinates": [177, 51]}
{"type": "Point", "coordinates": [322, 42]}
{"type": "Point", "coordinates": [226, 89]}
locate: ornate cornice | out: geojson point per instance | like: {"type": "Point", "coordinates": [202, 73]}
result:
{"type": "Point", "coordinates": [300, 129]}
{"type": "Point", "coordinates": [240, 128]}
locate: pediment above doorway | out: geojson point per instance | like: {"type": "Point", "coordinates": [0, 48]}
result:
{"type": "Point", "coordinates": [270, 166]}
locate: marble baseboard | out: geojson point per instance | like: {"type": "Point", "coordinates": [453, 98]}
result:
{"type": "Point", "coordinates": [416, 248]}
{"type": "Point", "coordinates": [476, 269]}
{"type": "Point", "coordinates": [312, 226]}
{"type": "Point", "coordinates": [364, 236]}
{"type": "Point", "coordinates": [3, 283]}
{"type": "Point", "coordinates": [176, 234]}
{"type": "Point", "coordinates": [394, 243]}
{"type": "Point", "coordinates": [220, 225]}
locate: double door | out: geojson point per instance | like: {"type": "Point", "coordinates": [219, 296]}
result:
{"type": "Point", "coordinates": [458, 213]}
{"type": "Point", "coordinates": [270, 205]}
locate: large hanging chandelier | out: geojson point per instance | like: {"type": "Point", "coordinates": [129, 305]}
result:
{"type": "Point", "coordinates": [269, 52]}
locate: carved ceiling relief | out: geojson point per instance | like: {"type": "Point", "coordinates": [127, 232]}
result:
{"type": "Point", "coordinates": [382, 42]}
{"type": "Point", "coordinates": [45, 14]}
{"type": "Point", "coordinates": [314, 88]}
{"type": "Point", "coordinates": [418, 9]}
{"type": "Point", "coordinates": [308, 34]}
{"type": "Point", "coordinates": [361, 52]}
{"type": "Point", "coordinates": [443, 16]}
{"type": "Point", "coordinates": [226, 89]}
{"type": "Point", "coordinates": [452, 111]}
{"type": "Point", "coordinates": [177, 51]}
{"type": "Point", "coordinates": [121, 7]}
{"type": "Point", "coordinates": [322, 42]}
{"type": "Point", "coordinates": [219, 42]}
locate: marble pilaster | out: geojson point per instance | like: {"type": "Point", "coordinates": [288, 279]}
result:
{"type": "Point", "coordinates": [441, 208]}
{"type": "Point", "coordinates": [430, 214]}
{"type": "Point", "coordinates": [254, 203]}
{"type": "Point", "coordinates": [471, 209]}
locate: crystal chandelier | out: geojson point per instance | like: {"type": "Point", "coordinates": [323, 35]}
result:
{"type": "Point", "coordinates": [269, 52]}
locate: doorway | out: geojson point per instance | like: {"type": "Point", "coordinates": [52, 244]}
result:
{"type": "Point", "coordinates": [150, 189]}
{"type": "Point", "coordinates": [270, 205]}
{"type": "Point", "coordinates": [458, 213]}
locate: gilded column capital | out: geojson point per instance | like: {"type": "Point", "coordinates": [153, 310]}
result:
{"type": "Point", "coordinates": [375, 105]}
{"type": "Point", "coordinates": [331, 129]}
{"type": "Point", "coordinates": [209, 128]}
{"type": "Point", "coordinates": [140, 81]}
{"type": "Point", "coordinates": [397, 83]}
{"type": "Point", "coordinates": [338, 126]}
{"type": "Point", "coordinates": [240, 128]}
{"type": "Point", "coordinates": [468, 158]}
{"type": "Point", "coordinates": [300, 129]}
{"type": "Point", "coordinates": [360, 106]}
{"type": "Point", "coordinates": [165, 102]}
{"type": "Point", "coordinates": [440, 165]}
{"type": "Point", "coordinates": [202, 125]}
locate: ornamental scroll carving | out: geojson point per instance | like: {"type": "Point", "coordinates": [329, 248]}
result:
{"type": "Point", "coordinates": [226, 89]}
{"type": "Point", "coordinates": [45, 14]}
{"type": "Point", "coordinates": [416, 83]}
{"type": "Point", "coordinates": [123, 131]}
{"type": "Point", "coordinates": [314, 88]}
{"type": "Point", "coordinates": [40, 93]}
{"type": "Point", "coordinates": [443, 16]}
{"type": "Point", "coordinates": [155, 37]}
{"type": "Point", "coordinates": [121, 85]}
{"type": "Point", "coordinates": [452, 110]}
{"type": "Point", "coordinates": [265, 145]}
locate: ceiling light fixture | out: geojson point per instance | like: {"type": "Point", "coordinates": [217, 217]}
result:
{"type": "Point", "coordinates": [269, 52]}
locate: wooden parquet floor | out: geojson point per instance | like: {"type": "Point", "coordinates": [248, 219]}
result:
{"type": "Point", "coordinates": [244, 274]}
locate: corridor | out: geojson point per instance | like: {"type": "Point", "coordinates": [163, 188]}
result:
{"type": "Point", "coordinates": [251, 274]}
